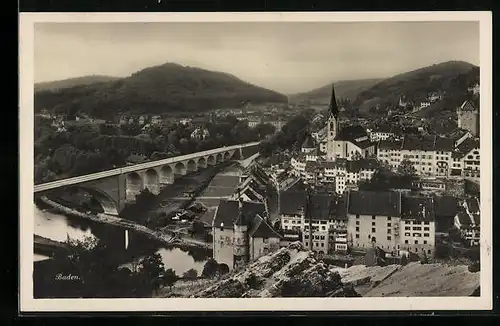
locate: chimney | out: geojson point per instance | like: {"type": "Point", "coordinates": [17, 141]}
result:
{"type": "Point", "coordinates": [222, 226]}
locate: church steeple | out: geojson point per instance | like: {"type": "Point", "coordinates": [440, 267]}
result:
{"type": "Point", "coordinates": [333, 109]}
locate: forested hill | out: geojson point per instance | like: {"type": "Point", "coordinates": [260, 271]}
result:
{"type": "Point", "coordinates": [445, 78]}
{"type": "Point", "coordinates": [72, 82]}
{"type": "Point", "coordinates": [348, 89]}
{"type": "Point", "coordinates": [160, 89]}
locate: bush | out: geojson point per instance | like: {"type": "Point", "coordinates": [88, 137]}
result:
{"type": "Point", "coordinates": [210, 269]}
{"type": "Point", "coordinates": [190, 274]}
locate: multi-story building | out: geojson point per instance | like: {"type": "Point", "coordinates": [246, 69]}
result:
{"type": "Point", "coordinates": [466, 159]}
{"type": "Point", "coordinates": [241, 233]}
{"type": "Point", "coordinates": [468, 221]}
{"type": "Point", "coordinates": [468, 118]}
{"type": "Point", "coordinates": [430, 155]}
{"type": "Point", "coordinates": [343, 173]}
{"type": "Point", "coordinates": [384, 132]}
{"type": "Point", "coordinates": [390, 221]}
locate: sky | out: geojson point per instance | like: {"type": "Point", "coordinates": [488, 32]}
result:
{"type": "Point", "coordinates": [287, 57]}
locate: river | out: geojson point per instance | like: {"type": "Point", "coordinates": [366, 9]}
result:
{"type": "Point", "coordinates": [58, 227]}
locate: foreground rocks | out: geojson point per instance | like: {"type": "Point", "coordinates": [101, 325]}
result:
{"type": "Point", "coordinates": [294, 272]}
{"type": "Point", "coordinates": [288, 272]}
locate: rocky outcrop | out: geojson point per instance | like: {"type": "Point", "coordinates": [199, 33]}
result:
{"type": "Point", "coordinates": [295, 272]}
{"type": "Point", "coordinates": [288, 272]}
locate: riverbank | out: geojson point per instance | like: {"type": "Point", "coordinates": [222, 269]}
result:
{"type": "Point", "coordinates": [158, 236]}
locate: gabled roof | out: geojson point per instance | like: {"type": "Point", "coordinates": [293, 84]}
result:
{"type": "Point", "coordinates": [228, 211]}
{"type": "Point", "coordinates": [308, 142]}
{"type": "Point", "coordinates": [427, 143]}
{"type": "Point", "coordinates": [417, 208]}
{"type": "Point", "coordinates": [261, 229]}
{"type": "Point", "coordinates": [463, 217]}
{"type": "Point", "coordinates": [385, 203]}
{"type": "Point", "coordinates": [291, 203]}
{"type": "Point", "coordinates": [465, 147]}
{"type": "Point", "coordinates": [350, 133]}
{"type": "Point", "coordinates": [472, 205]}
{"type": "Point", "coordinates": [467, 106]}
{"type": "Point", "coordinates": [361, 164]}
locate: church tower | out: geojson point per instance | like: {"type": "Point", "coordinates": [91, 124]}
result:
{"type": "Point", "coordinates": [332, 127]}
{"type": "Point", "coordinates": [240, 239]}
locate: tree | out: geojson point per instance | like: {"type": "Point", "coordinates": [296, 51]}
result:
{"type": "Point", "coordinates": [406, 168]}
{"type": "Point", "coordinates": [152, 266]}
{"type": "Point", "coordinates": [210, 269]}
{"type": "Point", "coordinates": [169, 277]}
{"type": "Point", "coordinates": [190, 274]}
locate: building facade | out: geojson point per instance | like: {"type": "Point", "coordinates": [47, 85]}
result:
{"type": "Point", "coordinates": [468, 118]}
{"type": "Point", "coordinates": [391, 221]}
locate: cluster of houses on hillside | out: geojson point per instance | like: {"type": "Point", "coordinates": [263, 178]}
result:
{"type": "Point", "coordinates": [251, 224]}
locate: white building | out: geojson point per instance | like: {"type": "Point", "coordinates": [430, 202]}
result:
{"type": "Point", "coordinates": [346, 142]}
{"type": "Point", "coordinates": [391, 222]}
{"type": "Point", "coordinates": [430, 155]}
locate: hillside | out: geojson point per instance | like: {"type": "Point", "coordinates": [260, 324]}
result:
{"type": "Point", "coordinates": [72, 82]}
{"type": "Point", "coordinates": [343, 89]}
{"type": "Point", "coordinates": [165, 88]}
{"type": "Point", "coordinates": [294, 272]}
{"type": "Point", "coordinates": [449, 78]}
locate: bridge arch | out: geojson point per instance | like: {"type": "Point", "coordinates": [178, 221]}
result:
{"type": "Point", "coordinates": [202, 163]}
{"type": "Point", "coordinates": [219, 158]}
{"type": "Point", "coordinates": [227, 156]}
{"type": "Point", "coordinates": [211, 160]}
{"type": "Point", "coordinates": [180, 168]}
{"type": "Point", "coordinates": [191, 166]}
{"type": "Point", "coordinates": [135, 185]}
{"type": "Point", "coordinates": [108, 204]}
{"type": "Point", "coordinates": [152, 181]}
{"type": "Point", "coordinates": [166, 174]}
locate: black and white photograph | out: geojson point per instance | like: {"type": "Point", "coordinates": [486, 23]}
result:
{"type": "Point", "coordinates": [343, 157]}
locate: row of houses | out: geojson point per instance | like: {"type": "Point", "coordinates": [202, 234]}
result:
{"type": "Point", "coordinates": [434, 155]}
{"type": "Point", "coordinates": [392, 221]}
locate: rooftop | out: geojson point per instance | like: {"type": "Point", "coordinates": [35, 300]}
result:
{"type": "Point", "coordinates": [384, 203]}
{"type": "Point", "coordinates": [417, 208]}
{"type": "Point", "coordinates": [228, 212]}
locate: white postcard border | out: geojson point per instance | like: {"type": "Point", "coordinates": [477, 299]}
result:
{"type": "Point", "coordinates": [26, 63]}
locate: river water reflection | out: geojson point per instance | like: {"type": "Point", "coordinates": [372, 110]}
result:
{"type": "Point", "coordinates": [59, 227]}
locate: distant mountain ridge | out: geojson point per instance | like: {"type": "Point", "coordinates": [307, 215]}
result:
{"type": "Point", "coordinates": [348, 89]}
{"type": "Point", "coordinates": [415, 85]}
{"type": "Point", "coordinates": [72, 82]}
{"type": "Point", "coordinates": [169, 87]}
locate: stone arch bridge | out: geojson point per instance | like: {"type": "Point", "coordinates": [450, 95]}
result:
{"type": "Point", "coordinates": [114, 188]}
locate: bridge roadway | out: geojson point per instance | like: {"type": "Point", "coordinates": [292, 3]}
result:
{"type": "Point", "coordinates": [136, 167]}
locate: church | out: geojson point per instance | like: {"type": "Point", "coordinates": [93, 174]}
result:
{"type": "Point", "coordinates": [348, 142]}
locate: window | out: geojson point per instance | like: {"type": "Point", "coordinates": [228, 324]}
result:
{"type": "Point", "coordinates": [389, 237]}
{"type": "Point", "coordinates": [357, 215]}
{"type": "Point", "coordinates": [429, 251]}
{"type": "Point", "coordinates": [307, 243]}
{"type": "Point", "coordinates": [357, 229]}
{"type": "Point", "coordinates": [406, 242]}
{"type": "Point", "coordinates": [373, 217]}
{"type": "Point", "coordinates": [322, 244]}
{"type": "Point", "coordinates": [389, 225]}
{"type": "Point", "coordinates": [426, 228]}
{"type": "Point", "coordinates": [323, 228]}
{"type": "Point", "coordinates": [357, 222]}
{"type": "Point", "coordinates": [322, 237]}
{"type": "Point", "coordinates": [373, 223]}
{"type": "Point", "coordinates": [416, 241]}
{"type": "Point", "coordinates": [407, 228]}
{"type": "Point", "coordinates": [286, 221]}
{"type": "Point", "coordinates": [426, 234]}
{"type": "Point", "coordinates": [357, 236]}
{"type": "Point", "coordinates": [388, 231]}
{"type": "Point", "coordinates": [306, 236]}
{"type": "Point", "coordinates": [373, 230]}
{"type": "Point", "coordinates": [426, 222]}
{"type": "Point", "coordinates": [425, 241]}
